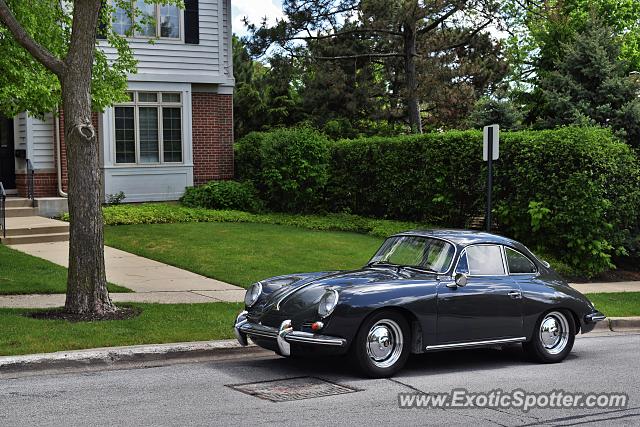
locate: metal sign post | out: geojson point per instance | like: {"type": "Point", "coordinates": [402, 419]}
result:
{"type": "Point", "coordinates": [491, 151]}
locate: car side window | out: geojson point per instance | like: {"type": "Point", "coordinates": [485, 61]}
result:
{"type": "Point", "coordinates": [518, 263]}
{"type": "Point", "coordinates": [485, 260]}
{"type": "Point", "coordinates": [463, 265]}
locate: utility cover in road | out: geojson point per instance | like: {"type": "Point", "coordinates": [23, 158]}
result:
{"type": "Point", "coordinates": [297, 388]}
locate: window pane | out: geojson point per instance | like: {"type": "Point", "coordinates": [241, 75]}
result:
{"type": "Point", "coordinates": [147, 97]}
{"type": "Point", "coordinates": [121, 21]}
{"type": "Point", "coordinates": [518, 263]}
{"type": "Point", "coordinates": [485, 260]}
{"type": "Point", "coordinates": [146, 18]}
{"type": "Point", "coordinates": [463, 266]}
{"type": "Point", "coordinates": [172, 134]}
{"type": "Point", "coordinates": [170, 22]}
{"type": "Point", "coordinates": [125, 135]}
{"type": "Point", "coordinates": [171, 97]}
{"type": "Point", "coordinates": [148, 120]}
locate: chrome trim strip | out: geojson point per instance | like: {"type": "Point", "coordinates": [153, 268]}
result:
{"type": "Point", "coordinates": [595, 317]}
{"type": "Point", "coordinates": [474, 343]}
{"type": "Point", "coordinates": [306, 337]}
{"type": "Point", "coordinates": [253, 329]}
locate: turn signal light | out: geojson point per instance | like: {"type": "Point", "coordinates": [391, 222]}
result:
{"type": "Point", "coordinates": [317, 326]}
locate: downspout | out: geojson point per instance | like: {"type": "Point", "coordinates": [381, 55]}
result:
{"type": "Point", "coordinates": [58, 155]}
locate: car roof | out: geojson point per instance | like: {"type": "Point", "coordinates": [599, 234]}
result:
{"type": "Point", "coordinates": [463, 237]}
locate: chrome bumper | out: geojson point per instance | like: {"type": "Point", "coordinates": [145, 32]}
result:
{"type": "Point", "coordinates": [594, 317]}
{"type": "Point", "coordinates": [283, 335]}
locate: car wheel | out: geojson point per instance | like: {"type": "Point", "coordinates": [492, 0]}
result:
{"type": "Point", "coordinates": [553, 337]}
{"type": "Point", "coordinates": [382, 344]}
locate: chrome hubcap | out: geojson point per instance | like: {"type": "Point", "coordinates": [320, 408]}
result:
{"type": "Point", "coordinates": [384, 343]}
{"type": "Point", "coordinates": [554, 332]}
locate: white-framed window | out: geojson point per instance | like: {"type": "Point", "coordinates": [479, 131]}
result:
{"type": "Point", "coordinates": [155, 20]}
{"type": "Point", "coordinates": [148, 128]}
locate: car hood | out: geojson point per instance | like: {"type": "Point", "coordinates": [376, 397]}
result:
{"type": "Point", "coordinates": [299, 293]}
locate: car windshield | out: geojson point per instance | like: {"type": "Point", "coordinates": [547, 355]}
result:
{"type": "Point", "coordinates": [415, 251]}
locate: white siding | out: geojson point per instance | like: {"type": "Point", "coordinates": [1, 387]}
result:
{"type": "Point", "coordinates": [20, 130]}
{"type": "Point", "coordinates": [41, 146]}
{"type": "Point", "coordinates": [175, 61]}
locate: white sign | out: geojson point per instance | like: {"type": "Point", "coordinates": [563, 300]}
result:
{"type": "Point", "coordinates": [492, 132]}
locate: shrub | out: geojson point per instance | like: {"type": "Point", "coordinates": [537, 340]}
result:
{"type": "Point", "coordinates": [574, 192]}
{"type": "Point", "coordinates": [223, 195]}
{"type": "Point", "coordinates": [289, 167]}
{"type": "Point", "coordinates": [162, 213]}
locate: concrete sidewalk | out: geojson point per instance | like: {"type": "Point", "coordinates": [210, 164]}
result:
{"type": "Point", "coordinates": [608, 287]}
{"type": "Point", "coordinates": [151, 281]}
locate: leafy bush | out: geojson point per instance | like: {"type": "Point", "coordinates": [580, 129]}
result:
{"type": "Point", "coordinates": [223, 195]}
{"type": "Point", "coordinates": [162, 213]}
{"type": "Point", "coordinates": [289, 167]}
{"type": "Point", "coordinates": [574, 192]}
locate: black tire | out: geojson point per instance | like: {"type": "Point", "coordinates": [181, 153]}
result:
{"type": "Point", "coordinates": [542, 348]}
{"type": "Point", "coordinates": [369, 358]}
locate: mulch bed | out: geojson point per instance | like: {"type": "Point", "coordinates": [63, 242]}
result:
{"type": "Point", "coordinates": [122, 313]}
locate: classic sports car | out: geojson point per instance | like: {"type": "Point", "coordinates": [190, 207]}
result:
{"type": "Point", "coordinates": [422, 291]}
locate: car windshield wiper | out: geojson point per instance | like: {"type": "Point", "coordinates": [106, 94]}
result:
{"type": "Point", "coordinates": [418, 268]}
{"type": "Point", "coordinates": [382, 264]}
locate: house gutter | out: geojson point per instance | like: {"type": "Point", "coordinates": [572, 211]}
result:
{"type": "Point", "coordinates": [58, 155]}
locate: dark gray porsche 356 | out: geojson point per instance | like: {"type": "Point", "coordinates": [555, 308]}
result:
{"type": "Point", "coordinates": [422, 291]}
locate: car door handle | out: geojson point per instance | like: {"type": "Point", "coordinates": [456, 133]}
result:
{"type": "Point", "coordinates": [515, 294]}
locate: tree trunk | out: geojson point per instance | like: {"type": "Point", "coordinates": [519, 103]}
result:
{"type": "Point", "coordinates": [86, 281]}
{"type": "Point", "coordinates": [411, 81]}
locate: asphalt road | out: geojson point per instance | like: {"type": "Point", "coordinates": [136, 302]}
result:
{"type": "Point", "coordinates": [196, 393]}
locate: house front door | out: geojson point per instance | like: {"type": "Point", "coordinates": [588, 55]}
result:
{"type": "Point", "coordinates": [7, 159]}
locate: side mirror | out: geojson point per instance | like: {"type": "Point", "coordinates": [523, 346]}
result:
{"type": "Point", "coordinates": [461, 279]}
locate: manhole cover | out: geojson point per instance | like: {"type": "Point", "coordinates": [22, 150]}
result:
{"type": "Point", "coordinates": [292, 389]}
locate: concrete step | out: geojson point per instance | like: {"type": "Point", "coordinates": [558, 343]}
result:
{"type": "Point", "coordinates": [20, 212]}
{"type": "Point", "coordinates": [34, 238]}
{"type": "Point", "coordinates": [18, 202]}
{"type": "Point", "coordinates": [28, 231]}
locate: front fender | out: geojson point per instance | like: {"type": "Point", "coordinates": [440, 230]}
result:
{"type": "Point", "coordinates": [416, 300]}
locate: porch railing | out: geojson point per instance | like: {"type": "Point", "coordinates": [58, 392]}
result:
{"type": "Point", "coordinates": [3, 213]}
{"type": "Point", "coordinates": [30, 176]}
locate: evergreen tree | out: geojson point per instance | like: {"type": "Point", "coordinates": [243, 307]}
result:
{"type": "Point", "coordinates": [591, 85]}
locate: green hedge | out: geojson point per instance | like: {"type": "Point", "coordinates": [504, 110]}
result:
{"type": "Point", "coordinates": [572, 192]}
{"type": "Point", "coordinates": [163, 213]}
{"type": "Point", "coordinates": [223, 195]}
{"type": "Point", "coordinates": [287, 166]}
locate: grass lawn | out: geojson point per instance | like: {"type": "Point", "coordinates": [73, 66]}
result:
{"type": "Point", "coordinates": [25, 274]}
{"type": "Point", "coordinates": [617, 304]}
{"type": "Point", "coordinates": [243, 253]}
{"type": "Point", "coordinates": [158, 323]}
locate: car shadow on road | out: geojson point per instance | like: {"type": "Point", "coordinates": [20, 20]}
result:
{"type": "Point", "coordinates": [485, 359]}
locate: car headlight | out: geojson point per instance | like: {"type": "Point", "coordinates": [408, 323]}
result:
{"type": "Point", "coordinates": [252, 295]}
{"type": "Point", "coordinates": [327, 303]}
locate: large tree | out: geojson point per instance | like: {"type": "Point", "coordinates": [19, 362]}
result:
{"type": "Point", "coordinates": [590, 85]}
{"type": "Point", "coordinates": [405, 30]}
{"type": "Point", "coordinates": [50, 57]}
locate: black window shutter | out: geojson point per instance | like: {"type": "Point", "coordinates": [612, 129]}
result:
{"type": "Point", "coordinates": [191, 22]}
{"type": "Point", "coordinates": [102, 28]}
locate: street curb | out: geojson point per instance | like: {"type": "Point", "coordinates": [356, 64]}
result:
{"type": "Point", "coordinates": [110, 356]}
{"type": "Point", "coordinates": [619, 324]}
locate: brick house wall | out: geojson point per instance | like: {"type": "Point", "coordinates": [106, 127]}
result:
{"type": "Point", "coordinates": [212, 146]}
{"type": "Point", "coordinates": [212, 136]}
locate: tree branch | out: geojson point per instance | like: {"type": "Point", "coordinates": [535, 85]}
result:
{"type": "Point", "coordinates": [362, 55]}
{"type": "Point", "coordinates": [46, 58]}
{"type": "Point", "coordinates": [432, 25]}
{"type": "Point", "coordinates": [344, 33]}
{"type": "Point", "coordinates": [467, 40]}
